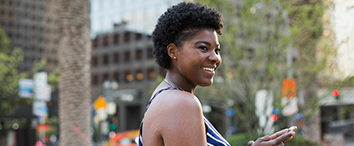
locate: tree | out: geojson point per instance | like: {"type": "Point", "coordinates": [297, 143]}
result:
{"type": "Point", "coordinates": [9, 77]}
{"type": "Point", "coordinates": [10, 57]}
{"type": "Point", "coordinates": [263, 43]}
{"type": "Point", "coordinates": [74, 62]}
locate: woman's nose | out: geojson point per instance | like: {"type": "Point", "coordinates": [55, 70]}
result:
{"type": "Point", "coordinates": [214, 57]}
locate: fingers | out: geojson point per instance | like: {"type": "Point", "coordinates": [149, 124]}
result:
{"type": "Point", "coordinates": [263, 139]}
{"type": "Point", "coordinates": [284, 137]}
{"type": "Point", "coordinates": [278, 138]}
{"type": "Point", "coordinates": [289, 137]}
{"type": "Point", "coordinates": [250, 143]}
{"type": "Point", "coordinates": [277, 134]}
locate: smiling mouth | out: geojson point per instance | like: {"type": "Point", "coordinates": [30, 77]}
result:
{"type": "Point", "coordinates": [209, 69]}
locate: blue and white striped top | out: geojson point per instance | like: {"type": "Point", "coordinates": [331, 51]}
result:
{"type": "Point", "coordinates": [214, 138]}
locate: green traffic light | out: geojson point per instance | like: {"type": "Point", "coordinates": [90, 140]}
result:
{"type": "Point", "coordinates": [112, 126]}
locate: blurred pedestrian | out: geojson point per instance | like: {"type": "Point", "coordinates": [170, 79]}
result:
{"type": "Point", "coordinates": [186, 44]}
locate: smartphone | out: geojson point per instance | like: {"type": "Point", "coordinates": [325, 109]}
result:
{"type": "Point", "coordinates": [292, 128]}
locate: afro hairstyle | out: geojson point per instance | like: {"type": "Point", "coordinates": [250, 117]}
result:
{"type": "Point", "coordinates": [180, 22]}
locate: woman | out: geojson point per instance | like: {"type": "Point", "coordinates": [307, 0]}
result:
{"type": "Point", "coordinates": [186, 44]}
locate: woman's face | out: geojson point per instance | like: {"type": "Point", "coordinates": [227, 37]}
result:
{"type": "Point", "coordinates": [198, 57]}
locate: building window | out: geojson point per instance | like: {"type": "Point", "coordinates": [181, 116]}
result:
{"type": "Point", "coordinates": [105, 59]}
{"type": "Point", "coordinates": [138, 36]}
{"type": "Point", "coordinates": [149, 53]}
{"type": "Point", "coordinates": [127, 37]}
{"type": "Point", "coordinates": [116, 58]}
{"type": "Point", "coordinates": [138, 54]}
{"type": "Point", "coordinates": [116, 76]}
{"type": "Point", "coordinates": [116, 39]}
{"type": "Point", "coordinates": [151, 73]}
{"type": "Point", "coordinates": [95, 61]}
{"type": "Point", "coordinates": [105, 40]}
{"type": "Point", "coordinates": [10, 25]}
{"type": "Point", "coordinates": [128, 76]}
{"type": "Point", "coordinates": [105, 77]}
{"type": "Point", "coordinates": [95, 43]}
{"type": "Point", "coordinates": [94, 80]}
{"type": "Point", "coordinates": [127, 56]}
{"type": "Point", "coordinates": [139, 75]}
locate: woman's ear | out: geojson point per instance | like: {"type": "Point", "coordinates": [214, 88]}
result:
{"type": "Point", "coordinates": [172, 50]}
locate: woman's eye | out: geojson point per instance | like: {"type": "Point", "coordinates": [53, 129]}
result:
{"type": "Point", "coordinates": [217, 51]}
{"type": "Point", "coordinates": [203, 48]}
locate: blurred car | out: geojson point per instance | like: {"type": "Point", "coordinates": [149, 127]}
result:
{"type": "Point", "coordinates": [126, 138]}
{"type": "Point", "coordinates": [127, 142]}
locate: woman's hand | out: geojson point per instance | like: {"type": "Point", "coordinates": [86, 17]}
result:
{"type": "Point", "coordinates": [277, 139]}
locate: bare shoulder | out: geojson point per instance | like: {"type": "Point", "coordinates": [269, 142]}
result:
{"type": "Point", "coordinates": [184, 123]}
{"type": "Point", "coordinates": [182, 99]}
{"type": "Point", "coordinates": [176, 118]}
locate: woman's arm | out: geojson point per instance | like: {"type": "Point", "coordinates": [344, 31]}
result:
{"type": "Point", "coordinates": [184, 123]}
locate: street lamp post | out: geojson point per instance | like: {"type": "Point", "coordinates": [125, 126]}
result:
{"type": "Point", "coordinates": [109, 88]}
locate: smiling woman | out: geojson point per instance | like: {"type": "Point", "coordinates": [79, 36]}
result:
{"type": "Point", "coordinates": [186, 44]}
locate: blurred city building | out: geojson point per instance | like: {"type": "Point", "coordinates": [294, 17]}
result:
{"type": "Point", "coordinates": [122, 52]}
{"type": "Point", "coordinates": [341, 16]}
{"type": "Point", "coordinates": [337, 109]}
{"type": "Point", "coordinates": [32, 26]}
{"type": "Point", "coordinates": [125, 57]}
{"type": "Point", "coordinates": [140, 15]}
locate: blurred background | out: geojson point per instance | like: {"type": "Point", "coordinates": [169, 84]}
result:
{"type": "Point", "coordinates": [285, 63]}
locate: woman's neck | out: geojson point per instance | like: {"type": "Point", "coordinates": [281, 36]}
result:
{"type": "Point", "coordinates": [178, 81]}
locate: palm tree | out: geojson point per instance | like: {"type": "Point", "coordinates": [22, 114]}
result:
{"type": "Point", "coordinates": [74, 61]}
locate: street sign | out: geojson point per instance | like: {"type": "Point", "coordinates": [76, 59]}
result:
{"type": "Point", "coordinates": [289, 100]}
{"type": "Point", "coordinates": [40, 109]}
{"type": "Point", "coordinates": [289, 88]}
{"type": "Point", "coordinates": [41, 88]}
{"type": "Point", "coordinates": [100, 102]}
{"type": "Point", "coordinates": [26, 88]}
{"type": "Point", "coordinates": [43, 92]}
{"type": "Point", "coordinates": [127, 97]}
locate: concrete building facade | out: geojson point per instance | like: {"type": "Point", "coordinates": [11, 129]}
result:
{"type": "Point", "coordinates": [32, 26]}
{"type": "Point", "coordinates": [125, 57]}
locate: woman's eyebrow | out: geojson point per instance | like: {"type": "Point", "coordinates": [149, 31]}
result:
{"type": "Point", "coordinates": [207, 43]}
{"type": "Point", "coordinates": [203, 42]}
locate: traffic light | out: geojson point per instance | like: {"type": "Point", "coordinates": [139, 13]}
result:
{"type": "Point", "coordinates": [273, 117]}
{"type": "Point", "coordinates": [112, 126]}
{"type": "Point", "coordinates": [336, 93]}
{"type": "Point", "coordinates": [113, 122]}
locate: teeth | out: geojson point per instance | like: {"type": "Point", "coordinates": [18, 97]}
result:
{"type": "Point", "coordinates": [209, 69]}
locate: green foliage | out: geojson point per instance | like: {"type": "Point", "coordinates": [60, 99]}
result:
{"type": "Point", "coordinates": [53, 122]}
{"type": "Point", "coordinates": [300, 141]}
{"type": "Point", "coordinates": [10, 57]}
{"type": "Point", "coordinates": [241, 139]}
{"type": "Point", "coordinates": [9, 80]}
{"type": "Point", "coordinates": [54, 79]}
{"type": "Point", "coordinates": [257, 39]}
{"type": "Point", "coordinates": [5, 44]}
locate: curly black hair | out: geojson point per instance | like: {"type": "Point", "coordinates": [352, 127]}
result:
{"type": "Point", "coordinates": [180, 22]}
